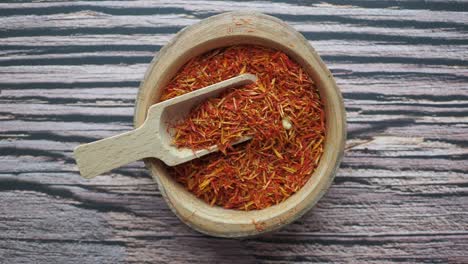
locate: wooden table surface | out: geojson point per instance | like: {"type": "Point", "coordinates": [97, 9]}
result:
{"type": "Point", "coordinates": [69, 74]}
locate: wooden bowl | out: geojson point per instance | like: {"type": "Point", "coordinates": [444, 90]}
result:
{"type": "Point", "coordinates": [225, 30]}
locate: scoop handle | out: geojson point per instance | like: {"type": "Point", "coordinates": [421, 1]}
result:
{"type": "Point", "coordinates": [106, 154]}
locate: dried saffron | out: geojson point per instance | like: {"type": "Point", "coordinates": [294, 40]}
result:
{"type": "Point", "coordinates": [282, 112]}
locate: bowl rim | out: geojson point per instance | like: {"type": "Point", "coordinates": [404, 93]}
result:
{"type": "Point", "coordinates": [204, 221]}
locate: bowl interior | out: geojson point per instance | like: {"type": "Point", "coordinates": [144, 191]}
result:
{"type": "Point", "coordinates": [270, 33]}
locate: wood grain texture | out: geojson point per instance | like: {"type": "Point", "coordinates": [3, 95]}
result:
{"type": "Point", "coordinates": [69, 73]}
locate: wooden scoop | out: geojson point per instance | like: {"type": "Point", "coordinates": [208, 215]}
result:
{"type": "Point", "coordinates": [152, 139]}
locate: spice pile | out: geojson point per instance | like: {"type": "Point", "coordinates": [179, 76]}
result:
{"type": "Point", "coordinates": [282, 112]}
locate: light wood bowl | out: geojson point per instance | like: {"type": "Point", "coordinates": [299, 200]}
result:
{"type": "Point", "coordinates": [225, 30]}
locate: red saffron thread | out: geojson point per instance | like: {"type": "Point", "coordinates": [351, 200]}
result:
{"type": "Point", "coordinates": [282, 112]}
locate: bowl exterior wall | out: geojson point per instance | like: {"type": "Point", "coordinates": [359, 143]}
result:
{"type": "Point", "coordinates": [225, 30]}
